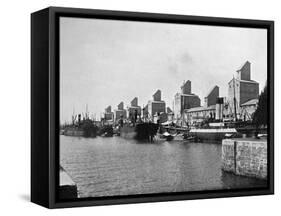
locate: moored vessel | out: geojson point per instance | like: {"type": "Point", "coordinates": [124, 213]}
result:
{"type": "Point", "coordinates": [84, 128]}
{"type": "Point", "coordinates": [140, 131]}
{"type": "Point", "coordinates": [212, 134]}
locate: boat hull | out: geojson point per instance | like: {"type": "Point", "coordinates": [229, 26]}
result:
{"type": "Point", "coordinates": [80, 132]}
{"type": "Point", "coordinates": [142, 131]}
{"type": "Point", "coordinates": [73, 132]}
{"type": "Point", "coordinates": [128, 132]}
{"type": "Point", "coordinates": [212, 134]}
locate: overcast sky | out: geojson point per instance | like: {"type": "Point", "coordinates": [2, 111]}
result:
{"type": "Point", "coordinates": [104, 62]}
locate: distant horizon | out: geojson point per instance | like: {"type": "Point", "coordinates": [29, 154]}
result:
{"type": "Point", "coordinates": [105, 62]}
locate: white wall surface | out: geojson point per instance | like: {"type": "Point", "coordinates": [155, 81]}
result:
{"type": "Point", "coordinates": [15, 107]}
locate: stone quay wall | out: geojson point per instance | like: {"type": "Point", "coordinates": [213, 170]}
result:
{"type": "Point", "coordinates": [246, 157]}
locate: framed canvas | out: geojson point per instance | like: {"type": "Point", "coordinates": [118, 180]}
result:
{"type": "Point", "coordinates": [138, 107]}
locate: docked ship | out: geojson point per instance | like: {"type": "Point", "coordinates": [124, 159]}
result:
{"type": "Point", "coordinates": [106, 131]}
{"type": "Point", "coordinates": [220, 118]}
{"type": "Point", "coordinates": [141, 131]}
{"type": "Point", "coordinates": [133, 126]}
{"type": "Point", "coordinates": [81, 128]}
{"type": "Point", "coordinates": [214, 132]}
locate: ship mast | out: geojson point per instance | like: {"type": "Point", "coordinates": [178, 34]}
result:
{"type": "Point", "coordinates": [73, 117]}
{"type": "Point", "coordinates": [87, 114]}
{"type": "Point", "coordinates": [234, 100]}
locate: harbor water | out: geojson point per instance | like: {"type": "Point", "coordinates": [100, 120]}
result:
{"type": "Point", "coordinates": [116, 166]}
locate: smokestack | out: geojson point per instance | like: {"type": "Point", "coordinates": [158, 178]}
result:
{"type": "Point", "coordinates": [219, 108]}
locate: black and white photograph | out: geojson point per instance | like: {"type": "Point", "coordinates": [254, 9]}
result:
{"type": "Point", "coordinates": [152, 108]}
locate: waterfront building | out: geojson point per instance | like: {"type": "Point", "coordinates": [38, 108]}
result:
{"type": "Point", "coordinates": [134, 107]}
{"type": "Point", "coordinates": [248, 108]}
{"type": "Point", "coordinates": [162, 118]}
{"type": "Point", "coordinates": [156, 105]}
{"type": "Point", "coordinates": [185, 100]}
{"type": "Point", "coordinates": [167, 118]}
{"type": "Point", "coordinates": [212, 96]}
{"type": "Point", "coordinates": [212, 109]}
{"type": "Point", "coordinates": [197, 115]}
{"type": "Point", "coordinates": [108, 115]}
{"type": "Point", "coordinates": [120, 112]}
{"type": "Point", "coordinates": [241, 89]}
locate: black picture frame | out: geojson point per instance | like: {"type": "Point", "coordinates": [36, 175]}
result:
{"type": "Point", "coordinates": [45, 102]}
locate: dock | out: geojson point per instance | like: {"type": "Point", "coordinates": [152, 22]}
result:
{"type": "Point", "coordinates": [245, 157]}
{"type": "Point", "coordinates": [67, 188]}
